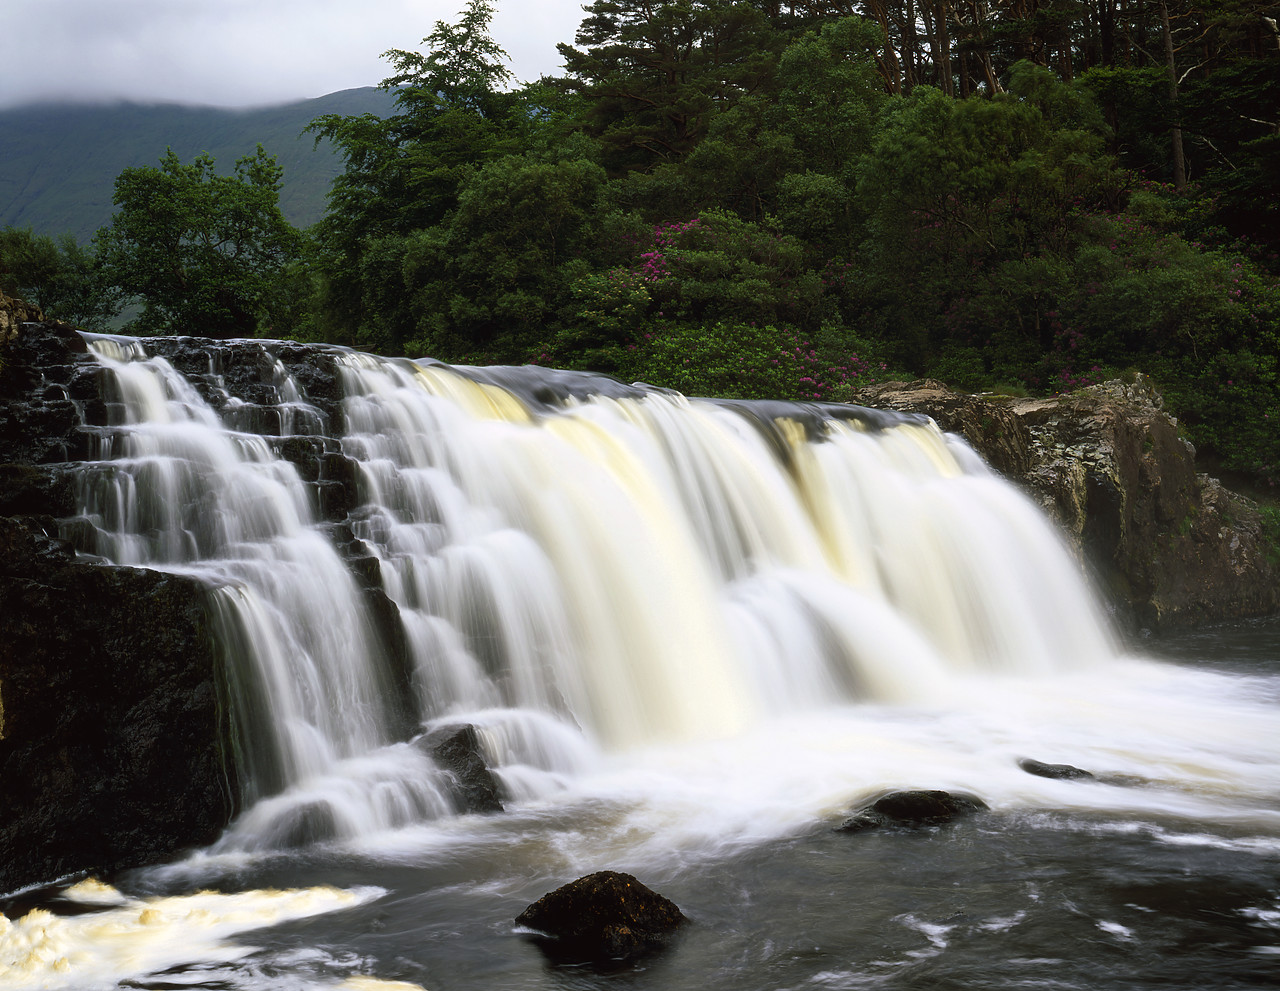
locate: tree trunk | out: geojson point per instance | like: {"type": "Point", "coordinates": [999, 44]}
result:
{"type": "Point", "coordinates": [1175, 133]}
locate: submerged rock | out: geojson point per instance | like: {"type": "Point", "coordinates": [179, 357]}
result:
{"type": "Point", "coordinates": [601, 917]}
{"type": "Point", "coordinates": [912, 810]}
{"type": "Point", "coordinates": [1061, 772]}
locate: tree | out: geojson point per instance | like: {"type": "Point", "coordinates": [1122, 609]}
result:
{"type": "Point", "coordinates": [653, 75]}
{"type": "Point", "coordinates": [58, 275]}
{"type": "Point", "coordinates": [973, 206]}
{"type": "Point", "coordinates": [28, 264]}
{"type": "Point", "coordinates": [201, 252]}
{"type": "Point", "coordinates": [403, 173]}
{"type": "Point", "coordinates": [491, 277]}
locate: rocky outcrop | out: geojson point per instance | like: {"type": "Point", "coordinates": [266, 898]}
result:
{"type": "Point", "coordinates": [1169, 547]}
{"type": "Point", "coordinates": [111, 731]}
{"type": "Point", "coordinates": [602, 917]}
{"type": "Point", "coordinates": [13, 314]}
{"type": "Point", "coordinates": [112, 735]}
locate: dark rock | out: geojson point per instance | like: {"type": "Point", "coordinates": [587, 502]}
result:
{"type": "Point", "coordinates": [305, 454]}
{"type": "Point", "coordinates": [36, 490]}
{"type": "Point", "coordinates": [911, 810]}
{"type": "Point", "coordinates": [338, 485]}
{"type": "Point", "coordinates": [303, 826]}
{"type": "Point", "coordinates": [113, 736]}
{"type": "Point", "coordinates": [456, 749]}
{"type": "Point", "coordinates": [601, 917]}
{"type": "Point", "coordinates": [39, 419]}
{"type": "Point", "coordinates": [1061, 772]}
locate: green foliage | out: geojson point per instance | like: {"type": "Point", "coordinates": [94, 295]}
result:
{"type": "Point", "coordinates": [609, 312]}
{"type": "Point", "coordinates": [974, 209]}
{"type": "Point", "coordinates": [404, 176]}
{"type": "Point", "coordinates": [1271, 532]}
{"type": "Point", "coordinates": [28, 264]}
{"type": "Point", "coordinates": [718, 266]}
{"type": "Point", "coordinates": [779, 200]}
{"type": "Point", "coordinates": [61, 277]}
{"type": "Point", "coordinates": [497, 270]}
{"type": "Point", "coordinates": [735, 360]}
{"type": "Point", "coordinates": [196, 249]}
{"type": "Point", "coordinates": [653, 76]}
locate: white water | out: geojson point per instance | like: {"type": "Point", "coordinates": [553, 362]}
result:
{"type": "Point", "coordinates": [578, 581]}
{"type": "Point", "coordinates": [678, 635]}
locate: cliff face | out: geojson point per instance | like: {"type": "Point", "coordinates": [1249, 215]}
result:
{"type": "Point", "coordinates": [112, 738]}
{"type": "Point", "coordinates": [1170, 547]}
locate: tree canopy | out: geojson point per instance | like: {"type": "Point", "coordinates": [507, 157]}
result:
{"type": "Point", "coordinates": [753, 197]}
{"type": "Point", "coordinates": [200, 252]}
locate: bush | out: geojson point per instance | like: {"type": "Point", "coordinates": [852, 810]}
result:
{"type": "Point", "coordinates": [749, 361]}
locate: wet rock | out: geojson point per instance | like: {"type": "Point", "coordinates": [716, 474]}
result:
{"type": "Point", "coordinates": [39, 490]}
{"type": "Point", "coordinates": [456, 749]}
{"type": "Point", "coordinates": [113, 738]}
{"type": "Point", "coordinates": [303, 826]}
{"type": "Point", "coordinates": [988, 423]}
{"type": "Point", "coordinates": [912, 810]}
{"type": "Point", "coordinates": [338, 485]}
{"type": "Point", "coordinates": [1060, 772]}
{"type": "Point", "coordinates": [602, 917]}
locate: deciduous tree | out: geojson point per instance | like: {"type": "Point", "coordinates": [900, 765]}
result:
{"type": "Point", "coordinates": [199, 251]}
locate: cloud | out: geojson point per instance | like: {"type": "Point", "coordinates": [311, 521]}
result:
{"type": "Point", "coordinates": [241, 52]}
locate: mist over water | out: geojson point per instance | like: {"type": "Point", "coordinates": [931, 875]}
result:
{"type": "Point", "coordinates": [691, 637]}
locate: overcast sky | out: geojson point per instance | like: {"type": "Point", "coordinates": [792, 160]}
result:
{"type": "Point", "coordinates": [238, 53]}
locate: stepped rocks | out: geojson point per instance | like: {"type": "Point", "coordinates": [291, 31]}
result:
{"type": "Point", "coordinates": [113, 739]}
{"type": "Point", "coordinates": [602, 917]}
{"type": "Point", "coordinates": [1170, 548]}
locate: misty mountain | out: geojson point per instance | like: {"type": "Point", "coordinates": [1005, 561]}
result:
{"type": "Point", "coordinates": [59, 162]}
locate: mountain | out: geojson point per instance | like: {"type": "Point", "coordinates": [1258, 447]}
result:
{"type": "Point", "coordinates": [59, 161]}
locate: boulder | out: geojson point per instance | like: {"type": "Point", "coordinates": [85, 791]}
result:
{"type": "Point", "coordinates": [602, 917]}
{"type": "Point", "coordinates": [456, 749]}
{"type": "Point", "coordinates": [912, 810]}
{"type": "Point", "coordinates": [1059, 772]}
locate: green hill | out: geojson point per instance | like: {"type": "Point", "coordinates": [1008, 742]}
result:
{"type": "Point", "coordinates": [58, 162]}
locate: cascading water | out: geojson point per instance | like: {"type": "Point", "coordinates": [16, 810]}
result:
{"type": "Point", "coordinates": [623, 566]}
{"type": "Point", "coordinates": [690, 636]}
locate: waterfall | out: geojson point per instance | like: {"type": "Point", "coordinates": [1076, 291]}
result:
{"type": "Point", "coordinates": [572, 566]}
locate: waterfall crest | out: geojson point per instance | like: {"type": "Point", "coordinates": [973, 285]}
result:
{"type": "Point", "coordinates": [571, 565]}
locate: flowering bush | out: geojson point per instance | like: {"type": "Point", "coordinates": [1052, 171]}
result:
{"type": "Point", "coordinates": [734, 360]}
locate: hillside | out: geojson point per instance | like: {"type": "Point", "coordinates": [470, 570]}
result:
{"type": "Point", "coordinates": [59, 161]}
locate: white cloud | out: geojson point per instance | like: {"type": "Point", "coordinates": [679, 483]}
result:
{"type": "Point", "coordinates": [241, 52]}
